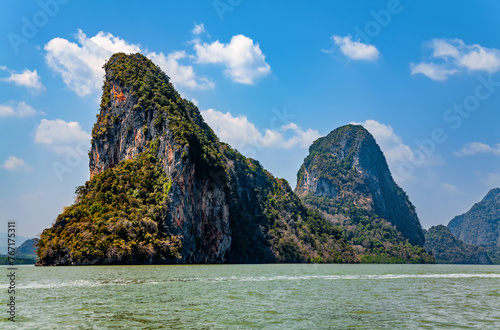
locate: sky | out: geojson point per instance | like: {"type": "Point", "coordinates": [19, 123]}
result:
{"type": "Point", "coordinates": [269, 78]}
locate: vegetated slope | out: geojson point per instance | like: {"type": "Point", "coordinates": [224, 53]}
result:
{"type": "Point", "coordinates": [346, 177]}
{"type": "Point", "coordinates": [446, 248]}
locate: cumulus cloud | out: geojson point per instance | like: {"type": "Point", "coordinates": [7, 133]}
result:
{"type": "Point", "coordinates": [244, 61]}
{"type": "Point", "coordinates": [240, 133]}
{"type": "Point", "coordinates": [453, 56]}
{"type": "Point", "coordinates": [478, 148]}
{"type": "Point", "coordinates": [356, 50]}
{"type": "Point", "coordinates": [16, 164]}
{"type": "Point", "coordinates": [27, 78]}
{"type": "Point", "coordinates": [80, 64]}
{"type": "Point", "coordinates": [402, 159]}
{"type": "Point", "coordinates": [59, 134]}
{"type": "Point", "coordinates": [395, 150]}
{"type": "Point", "coordinates": [17, 109]}
{"type": "Point", "coordinates": [431, 70]}
{"type": "Point", "coordinates": [184, 74]}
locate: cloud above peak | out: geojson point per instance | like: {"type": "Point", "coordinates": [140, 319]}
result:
{"type": "Point", "coordinates": [80, 64]}
{"type": "Point", "coordinates": [453, 56]}
{"type": "Point", "coordinates": [244, 60]}
{"type": "Point", "coordinates": [356, 50]}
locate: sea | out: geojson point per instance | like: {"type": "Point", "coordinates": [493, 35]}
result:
{"type": "Point", "coordinates": [269, 296]}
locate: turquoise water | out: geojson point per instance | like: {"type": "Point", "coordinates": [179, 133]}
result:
{"type": "Point", "coordinates": [256, 296]}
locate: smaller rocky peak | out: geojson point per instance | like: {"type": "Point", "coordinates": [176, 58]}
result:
{"type": "Point", "coordinates": [492, 195]}
{"type": "Point", "coordinates": [348, 166]}
{"type": "Point", "coordinates": [481, 224]}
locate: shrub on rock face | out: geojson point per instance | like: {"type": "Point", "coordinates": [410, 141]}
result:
{"type": "Point", "coordinates": [117, 219]}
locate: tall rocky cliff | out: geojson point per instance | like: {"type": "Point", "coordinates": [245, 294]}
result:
{"type": "Point", "coordinates": [481, 224]}
{"type": "Point", "coordinates": [164, 189]}
{"type": "Point", "coordinates": [346, 177]}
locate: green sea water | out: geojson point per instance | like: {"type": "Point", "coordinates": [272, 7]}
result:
{"type": "Point", "coordinates": [273, 296]}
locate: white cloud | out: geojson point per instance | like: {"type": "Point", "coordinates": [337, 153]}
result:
{"type": "Point", "coordinates": [356, 50]}
{"type": "Point", "coordinates": [184, 74]}
{"type": "Point", "coordinates": [198, 29]}
{"type": "Point", "coordinates": [395, 150]}
{"type": "Point", "coordinates": [442, 48]}
{"type": "Point", "coordinates": [17, 109]}
{"type": "Point", "coordinates": [16, 164]}
{"type": "Point", "coordinates": [456, 56]}
{"type": "Point", "coordinates": [431, 70]}
{"type": "Point", "coordinates": [80, 64]}
{"type": "Point", "coordinates": [59, 134]}
{"type": "Point", "coordinates": [478, 148]}
{"type": "Point", "coordinates": [241, 133]}
{"type": "Point", "coordinates": [402, 160]}
{"type": "Point", "coordinates": [481, 59]}
{"type": "Point", "coordinates": [450, 188]}
{"type": "Point", "coordinates": [245, 63]}
{"type": "Point", "coordinates": [491, 180]}
{"type": "Point", "coordinates": [28, 79]}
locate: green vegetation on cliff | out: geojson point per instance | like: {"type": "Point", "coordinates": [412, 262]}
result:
{"type": "Point", "coordinates": [373, 238]}
{"type": "Point", "coordinates": [346, 177]}
{"type": "Point", "coordinates": [447, 249]}
{"type": "Point", "coordinates": [117, 219]}
{"type": "Point", "coordinates": [157, 98]}
{"type": "Point", "coordinates": [271, 224]}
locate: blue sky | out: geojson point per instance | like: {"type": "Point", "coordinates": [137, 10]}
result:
{"type": "Point", "coordinates": [422, 76]}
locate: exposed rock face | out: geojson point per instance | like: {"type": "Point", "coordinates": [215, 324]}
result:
{"type": "Point", "coordinates": [222, 206]}
{"type": "Point", "coordinates": [348, 166]}
{"type": "Point", "coordinates": [481, 224]}
{"type": "Point", "coordinates": [448, 249]}
{"type": "Point", "coordinates": [199, 207]}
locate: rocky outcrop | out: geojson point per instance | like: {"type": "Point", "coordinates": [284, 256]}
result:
{"type": "Point", "coordinates": [481, 224]}
{"type": "Point", "coordinates": [348, 167]}
{"type": "Point", "coordinates": [219, 206]}
{"type": "Point", "coordinates": [127, 127]}
{"type": "Point", "coordinates": [447, 249]}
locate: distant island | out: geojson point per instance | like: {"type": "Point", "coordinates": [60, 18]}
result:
{"type": "Point", "coordinates": [472, 237]}
{"type": "Point", "coordinates": [164, 189]}
{"type": "Point", "coordinates": [25, 253]}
